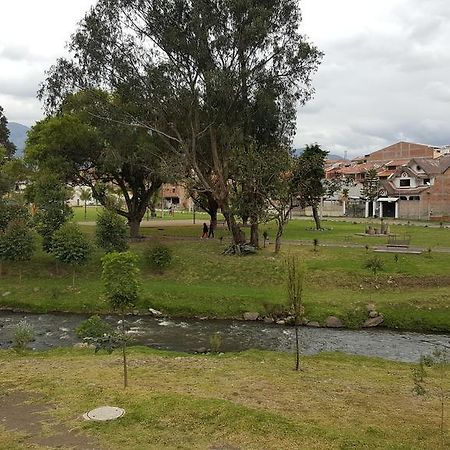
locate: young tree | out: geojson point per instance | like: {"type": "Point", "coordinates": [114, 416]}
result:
{"type": "Point", "coordinates": [121, 279]}
{"type": "Point", "coordinates": [16, 244]}
{"type": "Point", "coordinates": [310, 177]}
{"type": "Point", "coordinates": [111, 231]}
{"type": "Point", "coordinates": [85, 196]}
{"type": "Point", "coordinates": [295, 281]}
{"type": "Point", "coordinates": [199, 74]}
{"type": "Point", "coordinates": [70, 246]}
{"type": "Point", "coordinates": [370, 187]}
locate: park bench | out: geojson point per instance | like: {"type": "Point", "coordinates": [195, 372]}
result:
{"type": "Point", "coordinates": [399, 241]}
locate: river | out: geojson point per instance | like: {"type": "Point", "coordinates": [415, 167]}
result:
{"type": "Point", "coordinates": [190, 335]}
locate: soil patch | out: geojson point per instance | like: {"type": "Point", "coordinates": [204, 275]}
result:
{"type": "Point", "coordinates": [23, 412]}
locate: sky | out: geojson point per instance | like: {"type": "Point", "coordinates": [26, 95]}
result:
{"type": "Point", "coordinates": [385, 75]}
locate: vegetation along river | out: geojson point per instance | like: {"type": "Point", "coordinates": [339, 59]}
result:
{"type": "Point", "coordinates": [187, 335]}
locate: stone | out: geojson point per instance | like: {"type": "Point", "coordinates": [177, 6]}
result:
{"type": "Point", "coordinates": [5, 294]}
{"type": "Point", "coordinates": [373, 322]}
{"type": "Point", "coordinates": [373, 314]}
{"type": "Point", "coordinates": [201, 350]}
{"type": "Point", "coordinates": [268, 319]}
{"type": "Point", "coordinates": [280, 322]}
{"type": "Point", "coordinates": [333, 322]}
{"type": "Point", "coordinates": [251, 316]}
{"type": "Point", "coordinates": [313, 324]}
{"type": "Point", "coordinates": [155, 312]}
{"type": "Point", "coordinates": [104, 413]}
{"type": "Point", "coordinates": [36, 289]}
{"type": "Point", "coordinates": [371, 307]}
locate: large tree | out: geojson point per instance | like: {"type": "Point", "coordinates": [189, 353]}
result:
{"type": "Point", "coordinates": [103, 154]}
{"type": "Point", "coordinates": [197, 73]}
{"type": "Point", "coordinates": [4, 136]}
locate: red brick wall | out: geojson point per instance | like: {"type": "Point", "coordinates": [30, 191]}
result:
{"type": "Point", "coordinates": [401, 150]}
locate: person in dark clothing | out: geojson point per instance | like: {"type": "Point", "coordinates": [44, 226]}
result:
{"type": "Point", "coordinates": [211, 230]}
{"type": "Point", "coordinates": [205, 231]}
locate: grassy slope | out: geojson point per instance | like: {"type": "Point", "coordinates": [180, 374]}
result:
{"type": "Point", "coordinates": [412, 294]}
{"type": "Point", "coordinates": [252, 400]}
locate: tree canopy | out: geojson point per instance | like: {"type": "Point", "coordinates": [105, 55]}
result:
{"type": "Point", "coordinates": [206, 77]}
{"type": "Point", "coordinates": [5, 142]}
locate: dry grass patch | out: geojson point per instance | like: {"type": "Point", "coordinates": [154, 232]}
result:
{"type": "Point", "coordinates": [251, 401]}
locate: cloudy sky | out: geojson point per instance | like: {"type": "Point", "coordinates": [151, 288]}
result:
{"type": "Point", "coordinates": [385, 76]}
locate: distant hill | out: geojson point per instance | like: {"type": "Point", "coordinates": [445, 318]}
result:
{"type": "Point", "coordinates": [18, 136]}
{"type": "Point", "coordinates": [330, 156]}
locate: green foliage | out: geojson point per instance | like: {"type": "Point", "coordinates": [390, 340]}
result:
{"type": "Point", "coordinates": [4, 135]}
{"type": "Point", "coordinates": [23, 334]}
{"type": "Point", "coordinates": [49, 196]}
{"type": "Point", "coordinates": [215, 341]}
{"type": "Point", "coordinates": [111, 231]}
{"type": "Point", "coordinates": [121, 279]}
{"type": "Point", "coordinates": [94, 327]}
{"type": "Point", "coordinates": [158, 256]}
{"type": "Point", "coordinates": [11, 210]}
{"type": "Point", "coordinates": [70, 245]}
{"type": "Point", "coordinates": [16, 243]}
{"type": "Point", "coordinates": [375, 264]}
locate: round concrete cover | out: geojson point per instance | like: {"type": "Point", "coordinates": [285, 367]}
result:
{"type": "Point", "coordinates": [104, 413]}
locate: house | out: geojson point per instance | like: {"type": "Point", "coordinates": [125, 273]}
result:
{"type": "Point", "coordinates": [418, 189]}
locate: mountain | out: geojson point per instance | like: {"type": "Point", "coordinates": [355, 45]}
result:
{"type": "Point", "coordinates": [18, 136]}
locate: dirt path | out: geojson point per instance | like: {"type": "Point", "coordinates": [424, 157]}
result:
{"type": "Point", "coordinates": [23, 413]}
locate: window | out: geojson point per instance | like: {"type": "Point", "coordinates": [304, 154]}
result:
{"type": "Point", "coordinates": [419, 168]}
{"type": "Point", "coordinates": [405, 183]}
{"type": "Point", "coordinates": [427, 181]}
{"type": "Point", "coordinates": [414, 197]}
{"type": "Point", "coordinates": [403, 197]}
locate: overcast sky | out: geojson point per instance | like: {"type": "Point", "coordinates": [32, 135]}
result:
{"type": "Point", "coordinates": [385, 76]}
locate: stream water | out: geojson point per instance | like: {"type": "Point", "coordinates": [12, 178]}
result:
{"type": "Point", "coordinates": [190, 335]}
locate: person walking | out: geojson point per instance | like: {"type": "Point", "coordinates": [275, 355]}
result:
{"type": "Point", "coordinates": [211, 230]}
{"type": "Point", "coordinates": [205, 230]}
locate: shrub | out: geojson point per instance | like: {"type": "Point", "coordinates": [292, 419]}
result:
{"type": "Point", "coordinates": [71, 246]}
{"type": "Point", "coordinates": [23, 335]}
{"type": "Point", "coordinates": [215, 341]}
{"type": "Point", "coordinates": [158, 256]}
{"type": "Point", "coordinates": [94, 327]}
{"type": "Point", "coordinates": [111, 231]}
{"type": "Point", "coordinates": [375, 264]}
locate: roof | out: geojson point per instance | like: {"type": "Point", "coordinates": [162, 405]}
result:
{"type": "Point", "coordinates": [398, 162]}
{"type": "Point", "coordinates": [358, 168]}
{"type": "Point", "coordinates": [386, 173]}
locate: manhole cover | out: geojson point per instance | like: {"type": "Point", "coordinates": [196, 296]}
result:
{"type": "Point", "coordinates": [104, 413]}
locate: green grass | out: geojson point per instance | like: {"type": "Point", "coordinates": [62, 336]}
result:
{"type": "Point", "coordinates": [92, 211]}
{"type": "Point", "coordinates": [251, 400]}
{"type": "Point", "coordinates": [413, 293]}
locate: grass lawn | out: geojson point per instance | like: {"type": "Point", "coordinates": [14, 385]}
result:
{"type": "Point", "coordinates": [252, 400]}
{"type": "Point", "coordinates": [91, 214]}
{"type": "Point", "coordinates": [412, 293]}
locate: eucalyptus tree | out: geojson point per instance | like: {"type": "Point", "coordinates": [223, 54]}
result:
{"type": "Point", "coordinates": [196, 73]}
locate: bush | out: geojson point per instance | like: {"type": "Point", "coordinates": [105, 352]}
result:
{"type": "Point", "coordinates": [158, 256]}
{"type": "Point", "coordinates": [111, 232]}
{"type": "Point", "coordinates": [375, 264]}
{"type": "Point", "coordinates": [94, 327]}
{"type": "Point", "coordinates": [23, 335]}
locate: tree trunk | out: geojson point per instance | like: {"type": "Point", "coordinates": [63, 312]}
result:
{"type": "Point", "coordinates": [297, 346]}
{"type": "Point", "coordinates": [254, 234]}
{"type": "Point", "coordinates": [213, 220]}
{"type": "Point", "coordinates": [124, 353]}
{"type": "Point", "coordinates": [316, 217]}
{"type": "Point", "coordinates": [135, 228]}
{"type": "Point", "coordinates": [233, 227]}
{"type": "Point", "coordinates": [278, 239]}
{"type": "Point", "coordinates": [85, 210]}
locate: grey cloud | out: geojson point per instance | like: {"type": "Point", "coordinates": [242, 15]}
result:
{"type": "Point", "coordinates": [24, 85]}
